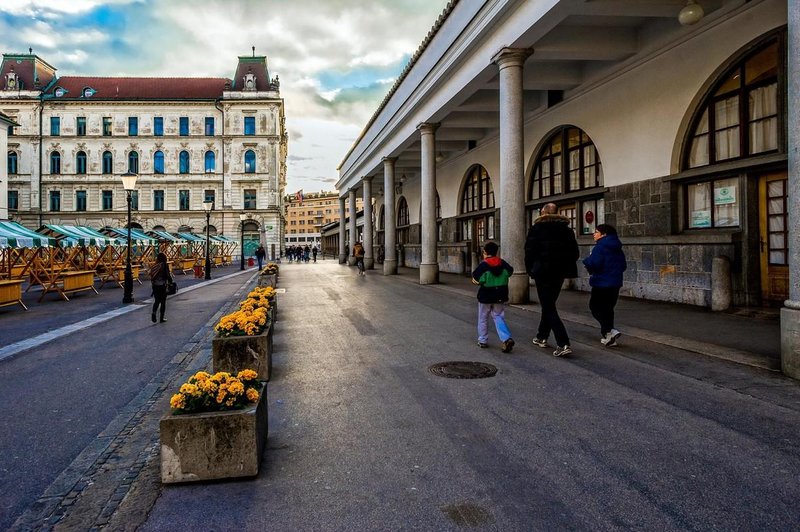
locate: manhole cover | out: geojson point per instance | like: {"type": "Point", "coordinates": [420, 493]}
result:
{"type": "Point", "coordinates": [463, 370]}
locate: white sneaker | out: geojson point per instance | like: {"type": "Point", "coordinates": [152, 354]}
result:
{"type": "Point", "coordinates": [538, 342]}
{"type": "Point", "coordinates": [562, 350]}
{"type": "Point", "coordinates": [610, 339]}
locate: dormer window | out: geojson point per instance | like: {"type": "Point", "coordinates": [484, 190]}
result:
{"type": "Point", "coordinates": [60, 91]}
{"type": "Point", "coordinates": [88, 92]}
{"type": "Point", "coordinates": [11, 80]}
{"type": "Point", "coordinates": [250, 82]}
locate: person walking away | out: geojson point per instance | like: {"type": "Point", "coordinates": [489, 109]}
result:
{"type": "Point", "coordinates": [492, 275]}
{"type": "Point", "coordinates": [306, 253]}
{"type": "Point", "coordinates": [159, 277]}
{"type": "Point", "coordinates": [605, 264]}
{"type": "Point", "coordinates": [358, 253]}
{"type": "Point", "coordinates": [261, 253]}
{"type": "Point", "coordinates": [551, 254]}
{"type": "Point", "coordinates": [314, 253]}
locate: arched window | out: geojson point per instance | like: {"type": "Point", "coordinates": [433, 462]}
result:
{"type": "Point", "coordinates": [249, 162]}
{"type": "Point", "coordinates": [80, 162]}
{"type": "Point", "coordinates": [133, 162]}
{"type": "Point", "coordinates": [183, 162]}
{"type": "Point", "coordinates": [211, 162]}
{"type": "Point", "coordinates": [476, 220]}
{"type": "Point", "coordinates": [567, 162]}
{"type": "Point", "coordinates": [402, 221]}
{"type": "Point", "coordinates": [55, 162]}
{"type": "Point", "coordinates": [13, 160]}
{"type": "Point", "coordinates": [108, 163]}
{"type": "Point", "coordinates": [158, 162]}
{"type": "Point", "coordinates": [740, 115]}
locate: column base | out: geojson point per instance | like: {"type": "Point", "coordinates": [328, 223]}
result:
{"type": "Point", "coordinates": [428, 274]}
{"type": "Point", "coordinates": [351, 261]}
{"type": "Point", "coordinates": [369, 263]}
{"type": "Point", "coordinates": [389, 267]}
{"type": "Point", "coordinates": [518, 287]}
{"type": "Point", "coordinates": [790, 342]}
{"type": "Point", "coordinates": [342, 258]}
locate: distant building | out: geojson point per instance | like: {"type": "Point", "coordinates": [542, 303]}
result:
{"type": "Point", "coordinates": [190, 140]}
{"type": "Point", "coordinates": [307, 213]}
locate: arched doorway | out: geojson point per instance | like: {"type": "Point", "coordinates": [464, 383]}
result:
{"type": "Point", "coordinates": [251, 237]}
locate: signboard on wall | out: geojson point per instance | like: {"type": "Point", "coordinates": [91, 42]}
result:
{"type": "Point", "coordinates": [701, 218]}
{"type": "Point", "coordinates": [725, 195]}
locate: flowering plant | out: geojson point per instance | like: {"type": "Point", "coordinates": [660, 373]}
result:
{"type": "Point", "coordinates": [249, 321]}
{"type": "Point", "coordinates": [259, 297]}
{"type": "Point", "coordinates": [270, 269]}
{"type": "Point", "coordinates": [204, 392]}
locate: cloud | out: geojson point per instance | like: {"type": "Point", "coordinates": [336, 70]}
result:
{"type": "Point", "coordinates": [293, 158]}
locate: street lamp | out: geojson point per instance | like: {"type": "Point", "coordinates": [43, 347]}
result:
{"type": "Point", "coordinates": [208, 206]}
{"type": "Point", "coordinates": [129, 184]}
{"type": "Point", "coordinates": [242, 218]}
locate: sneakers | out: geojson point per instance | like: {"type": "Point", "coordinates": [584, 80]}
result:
{"type": "Point", "coordinates": [562, 350]}
{"type": "Point", "coordinates": [538, 342]}
{"type": "Point", "coordinates": [483, 345]}
{"type": "Point", "coordinates": [610, 339]}
{"type": "Point", "coordinates": [508, 345]}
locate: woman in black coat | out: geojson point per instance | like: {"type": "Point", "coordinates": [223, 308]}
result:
{"type": "Point", "coordinates": [159, 277]}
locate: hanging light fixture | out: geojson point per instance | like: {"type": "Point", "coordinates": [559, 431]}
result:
{"type": "Point", "coordinates": [691, 13]}
{"type": "Point", "coordinates": [439, 157]}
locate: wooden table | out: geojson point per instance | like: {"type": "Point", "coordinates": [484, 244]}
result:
{"type": "Point", "coordinates": [11, 293]}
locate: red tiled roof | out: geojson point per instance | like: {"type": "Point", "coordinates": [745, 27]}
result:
{"type": "Point", "coordinates": [252, 65]}
{"type": "Point", "coordinates": [142, 88]}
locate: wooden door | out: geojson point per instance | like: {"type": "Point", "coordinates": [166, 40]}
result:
{"type": "Point", "coordinates": [774, 238]}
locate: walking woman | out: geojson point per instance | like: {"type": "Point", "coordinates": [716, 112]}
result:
{"type": "Point", "coordinates": [159, 277]}
{"type": "Point", "coordinates": [605, 265]}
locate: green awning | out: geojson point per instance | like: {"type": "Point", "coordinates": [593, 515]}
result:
{"type": "Point", "coordinates": [13, 235]}
{"type": "Point", "coordinates": [138, 238]}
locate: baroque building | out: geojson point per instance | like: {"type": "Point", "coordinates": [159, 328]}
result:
{"type": "Point", "coordinates": [190, 140]}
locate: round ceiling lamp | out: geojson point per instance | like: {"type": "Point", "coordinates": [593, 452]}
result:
{"type": "Point", "coordinates": [691, 13]}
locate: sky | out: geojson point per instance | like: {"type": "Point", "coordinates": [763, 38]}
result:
{"type": "Point", "coordinates": [336, 59]}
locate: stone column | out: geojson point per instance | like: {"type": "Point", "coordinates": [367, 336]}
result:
{"type": "Point", "coordinates": [390, 223]}
{"type": "Point", "coordinates": [512, 170]}
{"type": "Point", "coordinates": [369, 257]}
{"type": "Point", "coordinates": [342, 243]}
{"type": "Point", "coordinates": [790, 313]}
{"type": "Point", "coordinates": [429, 265]}
{"type": "Point", "coordinates": [353, 237]}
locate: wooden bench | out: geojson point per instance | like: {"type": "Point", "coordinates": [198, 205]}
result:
{"type": "Point", "coordinates": [183, 265]}
{"type": "Point", "coordinates": [70, 282]}
{"type": "Point", "coordinates": [11, 293]}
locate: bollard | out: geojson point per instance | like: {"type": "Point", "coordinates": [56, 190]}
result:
{"type": "Point", "coordinates": [720, 283]}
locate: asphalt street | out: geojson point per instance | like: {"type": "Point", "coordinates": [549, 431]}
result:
{"type": "Point", "coordinates": [362, 436]}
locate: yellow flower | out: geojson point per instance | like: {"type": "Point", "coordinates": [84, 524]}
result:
{"type": "Point", "coordinates": [247, 375]}
{"type": "Point", "coordinates": [177, 401]}
{"type": "Point", "coordinates": [190, 389]}
{"type": "Point", "coordinates": [252, 395]}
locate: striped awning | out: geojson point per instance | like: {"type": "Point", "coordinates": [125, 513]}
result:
{"type": "Point", "coordinates": [138, 238]}
{"type": "Point", "coordinates": [191, 237]}
{"type": "Point", "coordinates": [13, 235]}
{"type": "Point", "coordinates": [223, 238]}
{"type": "Point", "coordinates": [75, 235]}
{"type": "Point", "coordinates": [169, 237]}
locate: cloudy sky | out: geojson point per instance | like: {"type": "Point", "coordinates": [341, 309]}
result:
{"type": "Point", "coordinates": [336, 59]}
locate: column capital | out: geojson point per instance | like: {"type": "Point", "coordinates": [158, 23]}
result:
{"type": "Point", "coordinates": [507, 57]}
{"type": "Point", "coordinates": [389, 160]}
{"type": "Point", "coordinates": [427, 128]}
{"type": "Point", "coordinates": [367, 179]}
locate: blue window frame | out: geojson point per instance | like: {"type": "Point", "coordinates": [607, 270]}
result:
{"type": "Point", "coordinates": [209, 126]}
{"type": "Point", "coordinates": [183, 200]}
{"type": "Point", "coordinates": [183, 162]}
{"type": "Point", "coordinates": [133, 126]}
{"type": "Point", "coordinates": [55, 200]}
{"type": "Point", "coordinates": [108, 200]}
{"type": "Point", "coordinates": [249, 198]}
{"type": "Point", "coordinates": [158, 126]}
{"type": "Point", "coordinates": [249, 162]}
{"type": "Point", "coordinates": [184, 126]}
{"type": "Point", "coordinates": [108, 163]}
{"type": "Point", "coordinates": [158, 200]}
{"type": "Point", "coordinates": [13, 200]}
{"type": "Point", "coordinates": [80, 200]}
{"type": "Point", "coordinates": [55, 163]}
{"type": "Point", "coordinates": [80, 162]}
{"type": "Point", "coordinates": [135, 200]}
{"type": "Point", "coordinates": [13, 162]}
{"type": "Point", "coordinates": [158, 162]}
{"type": "Point", "coordinates": [211, 162]}
{"type": "Point", "coordinates": [249, 125]}
{"type": "Point", "coordinates": [55, 126]}
{"type": "Point", "coordinates": [106, 126]}
{"type": "Point", "coordinates": [209, 195]}
{"type": "Point", "coordinates": [80, 126]}
{"type": "Point", "coordinates": [133, 162]}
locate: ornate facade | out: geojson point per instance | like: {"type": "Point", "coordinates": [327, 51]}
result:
{"type": "Point", "coordinates": [189, 140]}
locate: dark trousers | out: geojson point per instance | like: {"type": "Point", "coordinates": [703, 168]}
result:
{"type": "Point", "coordinates": [548, 291]}
{"type": "Point", "coordinates": [160, 294]}
{"type": "Point", "coordinates": [601, 304]}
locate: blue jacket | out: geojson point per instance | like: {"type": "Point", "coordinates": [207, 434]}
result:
{"type": "Point", "coordinates": [606, 263]}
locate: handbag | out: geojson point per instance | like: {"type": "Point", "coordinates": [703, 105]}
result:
{"type": "Point", "coordinates": [172, 288]}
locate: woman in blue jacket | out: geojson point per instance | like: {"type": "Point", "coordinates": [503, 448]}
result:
{"type": "Point", "coordinates": [605, 265]}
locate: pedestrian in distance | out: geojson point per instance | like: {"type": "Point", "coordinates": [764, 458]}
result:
{"type": "Point", "coordinates": [306, 254]}
{"type": "Point", "coordinates": [358, 253]}
{"type": "Point", "coordinates": [261, 254]}
{"type": "Point", "coordinates": [551, 255]}
{"type": "Point", "coordinates": [314, 252]}
{"type": "Point", "coordinates": [605, 264]}
{"type": "Point", "coordinates": [159, 277]}
{"type": "Point", "coordinates": [492, 275]}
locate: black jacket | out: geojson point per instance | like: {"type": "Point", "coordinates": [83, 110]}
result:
{"type": "Point", "coordinates": [551, 251]}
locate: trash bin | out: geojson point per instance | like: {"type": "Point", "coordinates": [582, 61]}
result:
{"type": "Point", "coordinates": [198, 271]}
{"type": "Point", "coordinates": [251, 262]}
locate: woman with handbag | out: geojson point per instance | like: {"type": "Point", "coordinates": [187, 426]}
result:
{"type": "Point", "coordinates": [160, 277]}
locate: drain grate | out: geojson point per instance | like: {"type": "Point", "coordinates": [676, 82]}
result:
{"type": "Point", "coordinates": [463, 370]}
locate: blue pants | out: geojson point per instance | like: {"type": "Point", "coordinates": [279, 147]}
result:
{"type": "Point", "coordinates": [498, 313]}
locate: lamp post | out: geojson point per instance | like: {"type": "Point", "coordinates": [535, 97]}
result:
{"type": "Point", "coordinates": [208, 206]}
{"type": "Point", "coordinates": [129, 184]}
{"type": "Point", "coordinates": [242, 218]}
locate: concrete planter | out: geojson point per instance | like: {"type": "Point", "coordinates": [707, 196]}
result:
{"type": "Point", "coordinates": [235, 353]}
{"type": "Point", "coordinates": [268, 280]}
{"type": "Point", "coordinates": [214, 445]}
